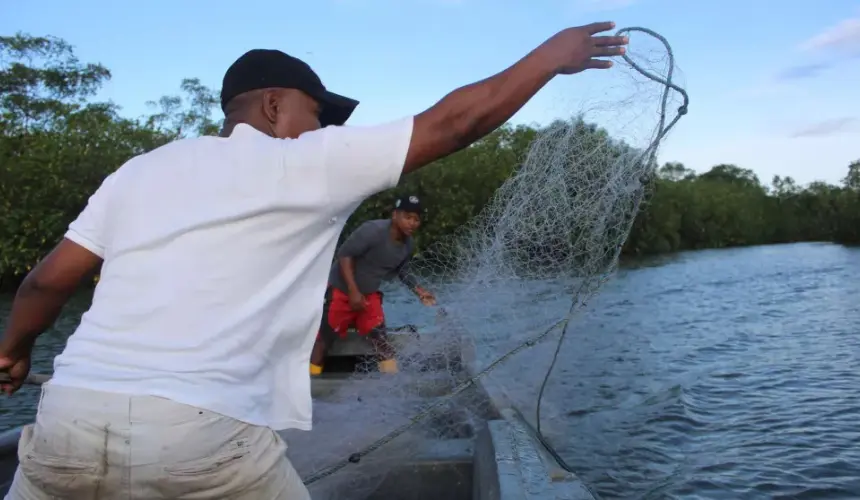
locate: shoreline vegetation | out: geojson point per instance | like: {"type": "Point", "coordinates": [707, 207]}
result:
{"type": "Point", "coordinates": [57, 144]}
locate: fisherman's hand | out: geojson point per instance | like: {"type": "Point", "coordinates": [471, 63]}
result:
{"type": "Point", "coordinates": [17, 367]}
{"type": "Point", "coordinates": [357, 301]}
{"type": "Point", "coordinates": [427, 298]}
{"type": "Point", "coordinates": [577, 49]}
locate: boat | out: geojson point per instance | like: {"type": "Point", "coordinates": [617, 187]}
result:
{"type": "Point", "coordinates": [502, 459]}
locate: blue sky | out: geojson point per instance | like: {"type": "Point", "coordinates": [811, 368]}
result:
{"type": "Point", "coordinates": [770, 81]}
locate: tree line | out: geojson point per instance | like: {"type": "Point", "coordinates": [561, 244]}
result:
{"type": "Point", "coordinates": [57, 144]}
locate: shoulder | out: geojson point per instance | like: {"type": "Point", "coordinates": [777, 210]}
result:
{"type": "Point", "coordinates": [371, 232]}
{"type": "Point", "coordinates": [289, 170]}
{"type": "Point", "coordinates": [176, 154]}
{"type": "Point", "coordinates": [365, 137]}
{"type": "Point", "coordinates": [376, 227]}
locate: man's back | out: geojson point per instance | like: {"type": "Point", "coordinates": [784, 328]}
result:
{"type": "Point", "coordinates": [214, 249]}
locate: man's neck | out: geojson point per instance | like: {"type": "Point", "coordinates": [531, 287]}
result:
{"type": "Point", "coordinates": [231, 123]}
{"type": "Point", "coordinates": [395, 233]}
{"type": "Point", "coordinates": [227, 128]}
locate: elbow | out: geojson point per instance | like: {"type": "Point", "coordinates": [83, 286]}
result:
{"type": "Point", "coordinates": [39, 282]}
{"type": "Point", "coordinates": [345, 261]}
{"type": "Point", "coordinates": [467, 131]}
{"type": "Point", "coordinates": [459, 124]}
{"type": "Point", "coordinates": [455, 122]}
{"type": "Point", "coordinates": [442, 132]}
{"type": "Point", "coordinates": [481, 108]}
{"type": "Point", "coordinates": [35, 284]}
{"type": "Point", "coordinates": [469, 117]}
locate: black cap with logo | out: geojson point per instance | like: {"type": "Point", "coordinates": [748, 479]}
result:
{"type": "Point", "coordinates": [408, 204]}
{"type": "Point", "coordinates": [262, 69]}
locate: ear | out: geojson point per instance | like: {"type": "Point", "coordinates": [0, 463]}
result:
{"type": "Point", "coordinates": [270, 105]}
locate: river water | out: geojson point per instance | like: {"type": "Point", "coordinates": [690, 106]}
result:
{"type": "Point", "coordinates": [725, 374]}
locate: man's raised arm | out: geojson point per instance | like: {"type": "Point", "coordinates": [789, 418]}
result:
{"type": "Point", "coordinates": [471, 112]}
{"type": "Point", "coordinates": [359, 161]}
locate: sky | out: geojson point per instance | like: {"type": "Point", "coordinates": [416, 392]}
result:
{"type": "Point", "coordinates": [770, 81]}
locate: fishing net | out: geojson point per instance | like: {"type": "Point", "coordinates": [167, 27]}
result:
{"type": "Point", "coordinates": [508, 285]}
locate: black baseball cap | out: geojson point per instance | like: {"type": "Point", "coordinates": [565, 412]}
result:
{"type": "Point", "coordinates": [408, 204]}
{"type": "Point", "coordinates": [264, 68]}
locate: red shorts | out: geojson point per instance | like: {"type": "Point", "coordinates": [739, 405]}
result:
{"type": "Point", "coordinates": [338, 316]}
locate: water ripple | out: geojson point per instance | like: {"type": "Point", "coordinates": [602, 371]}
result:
{"type": "Point", "coordinates": [742, 383]}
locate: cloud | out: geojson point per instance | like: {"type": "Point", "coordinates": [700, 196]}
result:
{"type": "Point", "coordinates": [803, 71]}
{"type": "Point", "coordinates": [841, 42]}
{"type": "Point", "coordinates": [843, 36]}
{"type": "Point", "coordinates": [825, 127]}
{"type": "Point", "coordinates": [810, 70]}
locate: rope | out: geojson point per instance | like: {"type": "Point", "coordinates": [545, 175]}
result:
{"type": "Point", "coordinates": [649, 152]}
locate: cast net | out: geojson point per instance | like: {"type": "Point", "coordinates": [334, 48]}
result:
{"type": "Point", "coordinates": [508, 286]}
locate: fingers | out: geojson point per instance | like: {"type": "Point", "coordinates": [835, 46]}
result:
{"type": "Point", "coordinates": [10, 387]}
{"type": "Point", "coordinates": [604, 41]}
{"type": "Point", "coordinates": [607, 51]}
{"type": "Point", "coordinates": [598, 27]}
{"type": "Point", "coordinates": [598, 64]}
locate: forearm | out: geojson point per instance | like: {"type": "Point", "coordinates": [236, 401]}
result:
{"type": "Point", "coordinates": [34, 310]}
{"type": "Point", "coordinates": [409, 281]}
{"type": "Point", "coordinates": [471, 112]}
{"type": "Point", "coordinates": [347, 271]}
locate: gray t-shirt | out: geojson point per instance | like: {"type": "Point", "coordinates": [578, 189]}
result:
{"type": "Point", "coordinates": [376, 258]}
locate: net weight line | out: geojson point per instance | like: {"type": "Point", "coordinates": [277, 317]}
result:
{"type": "Point", "coordinates": [648, 154]}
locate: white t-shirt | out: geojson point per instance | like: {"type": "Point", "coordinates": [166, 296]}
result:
{"type": "Point", "coordinates": [216, 255]}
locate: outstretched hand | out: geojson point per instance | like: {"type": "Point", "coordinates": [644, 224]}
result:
{"type": "Point", "coordinates": [427, 298]}
{"type": "Point", "coordinates": [17, 368]}
{"type": "Point", "coordinates": [577, 49]}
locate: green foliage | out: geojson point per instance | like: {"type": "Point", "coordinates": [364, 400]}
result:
{"type": "Point", "coordinates": [728, 206]}
{"type": "Point", "coordinates": [177, 121]}
{"type": "Point", "coordinates": [56, 146]}
{"type": "Point", "coordinates": [852, 180]}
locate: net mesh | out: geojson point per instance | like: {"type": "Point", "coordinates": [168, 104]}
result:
{"type": "Point", "coordinates": [508, 286]}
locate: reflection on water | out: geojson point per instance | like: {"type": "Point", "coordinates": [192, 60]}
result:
{"type": "Point", "coordinates": [717, 374]}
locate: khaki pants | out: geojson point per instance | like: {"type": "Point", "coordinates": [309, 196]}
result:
{"type": "Point", "coordinates": [89, 444]}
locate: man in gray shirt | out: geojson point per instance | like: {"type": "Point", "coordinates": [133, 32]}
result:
{"type": "Point", "coordinates": [377, 251]}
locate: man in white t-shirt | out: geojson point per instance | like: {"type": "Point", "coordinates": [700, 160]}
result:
{"type": "Point", "coordinates": [213, 254]}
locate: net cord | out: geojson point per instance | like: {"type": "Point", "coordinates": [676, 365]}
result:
{"type": "Point", "coordinates": [648, 155]}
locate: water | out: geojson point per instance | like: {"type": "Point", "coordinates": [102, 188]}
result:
{"type": "Point", "coordinates": [720, 374]}
{"type": "Point", "coordinates": [726, 374]}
